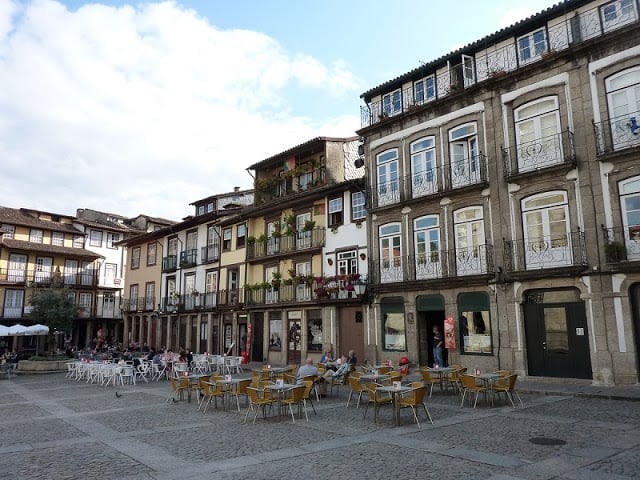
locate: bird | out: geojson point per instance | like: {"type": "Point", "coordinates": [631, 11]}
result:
{"type": "Point", "coordinates": [118, 395]}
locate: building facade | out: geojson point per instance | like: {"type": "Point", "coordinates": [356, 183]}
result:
{"type": "Point", "coordinates": [503, 199]}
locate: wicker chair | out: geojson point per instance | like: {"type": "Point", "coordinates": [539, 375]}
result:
{"type": "Point", "coordinates": [469, 385]}
{"type": "Point", "coordinates": [507, 385]}
{"type": "Point", "coordinates": [413, 399]}
{"type": "Point", "coordinates": [377, 398]}
{"type": "Point", "coordinates": [429, 379]}
{"type": "Point", "coordinates": [257, 400]}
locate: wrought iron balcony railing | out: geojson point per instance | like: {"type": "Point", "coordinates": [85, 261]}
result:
{"type": "Point", "coordinates": [140, 304]}
{"type": "Point", "coordinates": [297, 241]}
{"type": "Point", "coordinates": [622, 244]}
{"type": "Point", "coordinates": [32, 278]}
{"type": "Point", "coordinates": [432, 181]}
{"type": "Point", "coordinates": [491, 62]}
{"type": "Point", "coordinates": [169, 263]}
{"type": "Point", "coordinates": [557, 149]}
{"type": "Point", "coordinates": [619, 133]}
{"type": "Point", "coordinates": [338, 288]}
{"type": "Point", "coordinates": [188, 258]}
{"type": "Point", "coordinates": [439, 264]}
{"type": "Point", "coordinates": [546, 251]}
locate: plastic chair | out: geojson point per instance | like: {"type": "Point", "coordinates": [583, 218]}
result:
{"type": "Point", "coordinates": [178, 387]}
{"type": "Point", "coordinates": [429, 379]}
{"type": "Point", "coordinates": [356, 388]}
{"type": "Point", "coordinates": [295, 396]}
{"type": "Point", "coordinates": [507, 386]}
{"type": "Point", "coordinates": [212, 391]}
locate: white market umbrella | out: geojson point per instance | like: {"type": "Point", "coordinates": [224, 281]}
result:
{"type": "Point", "coordinates": [17, 329]}
{"type": "Point", "coordinates": [4, 331]}
{"type": "Point", "coordinates": [37, 329]}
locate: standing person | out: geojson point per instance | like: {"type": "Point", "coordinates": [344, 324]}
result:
{"type": "Point", "coordinates": [437, 347]}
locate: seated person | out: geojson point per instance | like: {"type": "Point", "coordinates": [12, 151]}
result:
{"type": "Point", "coordinates": [330, 376]}
{"type": "Point", "coordinates": [305, 370]}
{"type": "Point", "coordinates": [326, 357]}
{"type": "Point", "coordinates": [352, 360]}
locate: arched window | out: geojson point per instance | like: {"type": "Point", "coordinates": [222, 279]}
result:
{"type": "Point", "coordinates": [623, 99]}
{"type": "Point", "coordinates": [538, 134]}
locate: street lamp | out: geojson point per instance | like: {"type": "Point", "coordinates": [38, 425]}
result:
{"type": "Point", "coordinates": [359, 287]}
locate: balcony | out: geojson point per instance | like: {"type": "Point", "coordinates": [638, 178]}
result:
{"type": "Point", "coordinates": [491, 64]}
{"type": "Point", "coordinates": [554, 150]}
{"type": "Point", "coordinates": [210, 253]}
{"type": "Point", "coordinates": [31, 278]}
{"type": "Point", "coordinates": [140, 304]}
{"type": "Point", "coordinates": [622, 245]}
{"type": "Point", "coordinates": [292, 182]}
{"type": "Point", "coordinates": [170, 263]}
{"type": "Point", "coordinates": [545, 252]}
{"type": "Point", "coordinates": [188, 258]}
{"type": "Point", "coordinates": [616, 134]}
{"type": "Point", "coordinates": [439, 264]}
{"type": "Point", "coordinates": [339, 288]}
{"type": "Point", "coordinates": [285, 244]}
{"type": "Point", "coordinates": [437, 180]}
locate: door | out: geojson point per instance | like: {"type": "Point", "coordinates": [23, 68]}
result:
{"type": "Point", "coordinates": [388, 179]}
{"type": "Point", "coordinates": [351, 332]}
{"type": "Point", "coordinates": [257, 337]}
{"type": "Point", "coordinates": [390, 254]}
{"type": "Point", "coordinates": [470, 248]}
{"type": "Point", "coordinates": [426, 322]}
{"type": "Point", "coordinates": [546, 227]}
{"type": "Point", "coordinates": [294, 342]}
{"type": "Point", "coordinates": [557, 340]}
{"type": "Point", "coordinates": [17, 268]}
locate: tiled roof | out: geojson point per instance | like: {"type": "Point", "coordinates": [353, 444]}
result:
{"type": "Point", "coordinates": [45, 248]}
{"type": "Point", "coordinates": [13, 216]}
{"type": "Point", "coordinates": [302, 146]}
{"type": "Point", "coordinates": [118, 227]}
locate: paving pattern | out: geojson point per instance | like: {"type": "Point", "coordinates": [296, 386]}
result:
{"type": "Point", "coordinates": [55, 428]}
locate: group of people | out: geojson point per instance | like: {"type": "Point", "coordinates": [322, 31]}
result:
{"type": "Point", "coordinates": [334, 370]}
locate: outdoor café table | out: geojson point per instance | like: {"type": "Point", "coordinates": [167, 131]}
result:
{"type": "Point", "coordinates": [273, 371]}
{"type": "Point", "coordinates": [279, 389]}
{"type": "Point", "coordinates": [193, 378]}
{"type": "Point", "coordinates": [372, 377]}
{"type": "Point", "coordinates": [396, 392]}
{"type": "Point", "coordinates": [487, 380]}
{"type": "Point", "coordinates": [442, 373]}
{"type": "Point", "coordinates": [230, 384]}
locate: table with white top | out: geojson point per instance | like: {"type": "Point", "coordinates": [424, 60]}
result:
{"type": "Point", "coordinates": [396, 392]}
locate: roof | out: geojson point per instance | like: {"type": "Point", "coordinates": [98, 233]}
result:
{"type": "Point", "coordinates": [223, 195]}
{"type": "Point", "coordinates": [14, 216]}
{"type": "Point", "coordinates": [516, 29]}
{"type": "Point", "coordinates": [46, 248]}
{"type": "Point", "coordinates": [310, 144]}
{"type": "Point", "coordinates": [119, 227]}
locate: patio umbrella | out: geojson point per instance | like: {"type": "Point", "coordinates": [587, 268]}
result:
{"type": "Point", "coordinates": [17, 329]}
{"type": "Point", "coordinates": [37, 329]}
{"type": "Point", "coordinates": [4, 331]}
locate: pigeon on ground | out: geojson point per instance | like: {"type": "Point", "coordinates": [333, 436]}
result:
{"type": "Point", "coordinates": [118, 395]}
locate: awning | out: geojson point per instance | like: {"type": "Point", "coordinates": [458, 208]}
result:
{"type": "Point", "coordinates": [20, 330]}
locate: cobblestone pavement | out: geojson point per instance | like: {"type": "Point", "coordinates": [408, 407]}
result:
{"type": "Point", "coordinates": [55, 428]}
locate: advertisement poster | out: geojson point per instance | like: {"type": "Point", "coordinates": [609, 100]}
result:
{"type": "Point", "coordinates": [449, 334]}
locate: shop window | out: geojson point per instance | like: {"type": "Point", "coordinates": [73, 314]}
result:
{"type": "Point", "coordinates": [474, 322]}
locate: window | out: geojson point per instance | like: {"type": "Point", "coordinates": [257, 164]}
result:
{"type": "Point", "coordinates": [57, 239]}
{"type": "Point", "coordinates": [630, 203]}
{"type": "Point", "coordinates": [226, 239]}
{"type": "Point", "coordinates": [424, 90]}
{"type": "Point", "coordinates": [135, 258]}
{"type": "Point", "coordinates": [43, 270]}
{"type": "Point", "coordinates": [335, 212]}
{"type": "Point", "coordinates": [474, 323]}
{"type": "Point", "coordinates": [78, 241]}
{"type": "Point", "coordinates": [532, 46]}
{"type": "Point", "coordinates": [112, 238]}
{"type": "Point", "coordinates": [390, 253]}
{"type": "Point", "coordinates": [110, 273]}
{"type": "Point", "coordinates": [13, 303]}
{"type": "Point", "coordinates": [108, 304]}
{"type": "Point", "coordinates": [391, 103]}
{"type": "Point", "coordinates": [304, 236]}
{"type": "Point", "coordinates": [133, 297]}
{"type": "Point", "coordinates": [623, 98]}
{"type": "Point", "coordinates": [273, 234]}
{"type": "Point", "coordinates": [9, 230]}
{"type": "Point", "coordinates": [172, 247]}
{"type": "Point", "coordinates": [213, 244]}
{"type": "Point", "coordinates": [618, 13]}
{"type": "Point", "coordinates": [17, 268]}
{"type": "Point", "coordinates": [95, 238]}
{"type": "Point", "coordinates": [35, 236]}
{"type": "Point", "coordinates": [173, 296]}
{"type": "Point", "coordinates": [470, 251]}
{"type": "Point", "coordinates": [149, 295]}
{"type": "Point", "coordinates": [241, 235]}
{"type": "Point", "coordinates": [423, 167]}
{"type": "Point", "coordinates": [347, 263]}
{"type": "Point", "coordinates": [314, 331]}
{"type": "Point", "coordinates": [426, 231]}
{"type": "Point", "coordinates": [393, 325]}
{"type": "Point", "coordinates": [88, 277]}
{"type": "Point", "coordinates": [271, 276]}
{"type": "Point", "coordinates": [275, 331]}
{"type": "Point", "coordinates": [209, 207]}
{"type": "Point", "coordinates": [151, 253]}
{"type": "Point", "coordinates": [84, 302]}
{"type": "Point", "coordinates": [305, 180]}
{"type": "Point", "coordinates": [70, 272]}
{"type": "Point", "coordinates": [538, 134]}
{"type": "Point", "coordinates": [465, 160]}
{"type": "Point", "coordinates": [388, 188]}
{"type": "Point", "coordinates": [303, 289]}
{"type": "Point", "coordinates": [358, 204]}
{"type": "Point", "coordinates": [201, 210]}
{"type": "Point", "coordinates": [233, 280]}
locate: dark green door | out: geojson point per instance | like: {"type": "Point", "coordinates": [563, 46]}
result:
{"type": "Point", "coordinates": [557, 340]}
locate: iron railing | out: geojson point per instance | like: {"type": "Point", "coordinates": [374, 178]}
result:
{"type": "Point", "coordinates": [557, 149]}
{"type": "Point", "coordinates": [188, 258]}
{"type": "Point", "coordinates": [546, 251]}
{"type": "Point", "coordinates": [210, 253]}
{"type": "Point", "coordinates": [33, 278]}
{"type": "Point", "coordinates": [619, 133]}
{"type": "Point", "coordinates": [622, 244]}
{"type": "Point", "coordinates": [169, 263]}
{"type": "Point", "coordinates": [296, 241]}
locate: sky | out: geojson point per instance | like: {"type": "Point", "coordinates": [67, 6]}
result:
{"type": "Point", "coordinates": [143, 107]}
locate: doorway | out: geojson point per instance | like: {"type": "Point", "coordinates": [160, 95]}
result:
{"type": "Point", "coordinates": [294, 342]}
{"type": "Point", "coordinates": [430, 312]}
{"type": "Point", "coordinates": [257, 337]}
{"type": "Point", "coordinates": [634, 297]}
{"type": "Point", "coordinates": [557, 336]}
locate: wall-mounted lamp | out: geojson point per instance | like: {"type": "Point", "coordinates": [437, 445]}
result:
{"type": "Point", "coordinates": [359, 287]}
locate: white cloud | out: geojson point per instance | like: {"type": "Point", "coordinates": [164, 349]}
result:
{"type": "Point", "coordinates": [146, 109]}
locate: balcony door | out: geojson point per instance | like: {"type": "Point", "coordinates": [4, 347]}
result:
{"type": "Point", "coordinates": [390, 253]}
{"type": "Point", "coordinates": [17, 268]}
{"type": "Point", "coordinates": [43, 270]}
{"type": "Point", "coordinates": [623, 97]}
{"type": "Point", "coordinates": [547, 241]}
{"type": "Point", "coordinates": [388, 179]}
{"type": "Point", "coordinates": [465, 160]}
{"type": "Point", "coordinates": [423, 168]}
{"type": "Point", "coordinates": [471, 258]}
{"type": "Point", "coordinates": [630, 200]}
{"type": "Point", "coordinates": [303, 237]}
{"type": "Point", "coordinates": [427, 247]}
{"type": "Point", "coordinates": [537, 134]}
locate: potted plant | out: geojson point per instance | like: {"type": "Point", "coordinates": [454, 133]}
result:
{"type": "Point", "coordinates": [276, 278]}
{"type": "Point", "coordinates": [251, 240]}
{"type": "Point", "coordinates": [309, 225]}
{"type": "Point", "coordinates": [615, 251]}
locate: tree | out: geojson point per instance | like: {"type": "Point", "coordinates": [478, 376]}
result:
{"type": "Point", "coordinates": [54, 307]}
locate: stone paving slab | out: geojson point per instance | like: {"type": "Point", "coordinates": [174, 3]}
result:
{"type": "Point", "coordinates": [52, 427]}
